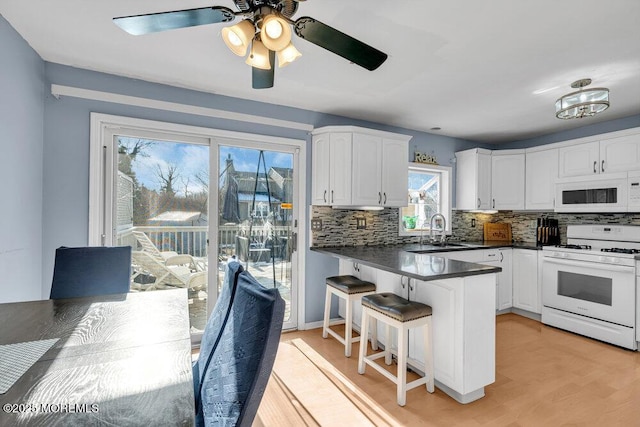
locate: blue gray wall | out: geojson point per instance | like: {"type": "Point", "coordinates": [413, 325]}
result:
{"type": "Point", "coordinates": [21, 145]}
{"type": "Point", "coordinates": [588, 130]}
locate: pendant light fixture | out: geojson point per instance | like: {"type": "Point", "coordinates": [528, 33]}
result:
{"type": "Point", "coordinates": [582, 103]}
{"type": "Point", "coordinates": [275, 33]}
{"type": "Point", "coordinates": [287, 55]}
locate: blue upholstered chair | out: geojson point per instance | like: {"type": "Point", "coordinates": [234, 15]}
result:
{"type": "Point", "coordinates": [238, 350]}
{"type": "Point", "coordinates": [90, 271]}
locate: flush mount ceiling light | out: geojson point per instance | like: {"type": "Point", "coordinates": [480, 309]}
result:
{"type": "Point", "coordinates": [582, 103]}
{"type": "Point", "coordinates": [267, 27]}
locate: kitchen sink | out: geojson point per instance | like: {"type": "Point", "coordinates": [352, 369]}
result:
{"type": "Point", "coordinates": [433, 247]}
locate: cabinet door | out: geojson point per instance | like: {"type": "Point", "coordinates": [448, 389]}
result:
{"type": "Point", "coordinates": [541, 172]}
{"type": "Point", "coordinates": [367, 170]}
{"type": "Point", "coordinates": [320, 191]}
{"type": "Point", "coordinates": [620, 154]}
{"type": "Point", "coordinates": [394, 283]}
{"type": "Point", "coordinates": [578, 160]}
{"type": "Point", "coordinates": [504, 279]}
{"type": "Point", "coordinates": [484, 181]}
{"type": "Point", "coordinates": [340, 169]}
{"type": "Point", "coordinates": [507, 181]}
{"type": "Point", "coordinates": [525, 280]}
{"type": "Point", "coordinates": [395, 173]}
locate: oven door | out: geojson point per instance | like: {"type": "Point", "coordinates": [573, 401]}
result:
{"type": "Point", "coordinates": [600, 291]}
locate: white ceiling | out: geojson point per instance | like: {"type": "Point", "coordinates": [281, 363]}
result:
{"type": "Point", "coordinates": [481, 70]}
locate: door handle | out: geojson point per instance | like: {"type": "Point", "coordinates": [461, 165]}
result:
{"type": "Point", "coordinates": [385, 198]}
{"type": "Point", "coordinates": [294, 243]}
{"type": "Point", "coordinates": [501, 256]}
{"type": "Point", "coordinates": [602, 167]}
{"type": "Point", "coordinates": [478, 202]}
{"type": "Point", "coordinates": [324, 196]}
{"type": "Point", "coordinates": [494, 203]}
{"type": "Point", "coordinates": [594, 167]}
{"type": "Point", "coordinates": [331, 196]}
{"type": "Point", "coordinates": [379, 197]}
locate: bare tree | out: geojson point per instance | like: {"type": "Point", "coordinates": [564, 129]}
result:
{"type": "Point", "coordinates": [134, 147]}
{"type": "Point", "coordinates": [203, 178]}
{"type": "Point", "coordinates": [185, 185]}
{"type": "Point", "coordinates": [168, 177]}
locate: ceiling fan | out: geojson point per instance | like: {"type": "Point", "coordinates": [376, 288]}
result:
{"type": "Point", "coordinates": [266, 28]}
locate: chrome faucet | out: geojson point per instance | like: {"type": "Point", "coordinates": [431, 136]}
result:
{"type": "Point", "coordinates": [443, 236]}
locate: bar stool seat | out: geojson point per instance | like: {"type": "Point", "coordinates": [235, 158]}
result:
{"type": "Point", "coordinates": [402, 314]}
{"type": "Point", "coordinates": [351, 289]}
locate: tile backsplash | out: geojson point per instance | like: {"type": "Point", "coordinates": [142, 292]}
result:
{"type": "Point", "coordinates": [339, 226]}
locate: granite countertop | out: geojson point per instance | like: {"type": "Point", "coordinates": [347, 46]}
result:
{"type": "Point", "coordinates": [396, 259]}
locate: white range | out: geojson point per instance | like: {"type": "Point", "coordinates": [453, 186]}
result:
{"type": "Point", "coordinates": [589, 284]}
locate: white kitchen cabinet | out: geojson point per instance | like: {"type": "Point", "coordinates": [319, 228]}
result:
{"type": "Point", "coordinates": [541, 172]}
{"type": "Point", "coordinates": [360, 168]}
{"type": "Point", "coordinates": [463, 334]}
{"type": "Point", "coordinates": [473, 179]}
{"type": "Point", "coordinates": [526, 283]}
{"type": "Point", "coordinates": [507, 179]}
{"type": "Point", "coordinates": [619, 154]}
{"type": "Point", "coordinates": [331, 182]}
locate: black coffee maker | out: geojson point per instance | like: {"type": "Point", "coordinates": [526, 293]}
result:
{"type": "Point", "coordinates": [547, 232]}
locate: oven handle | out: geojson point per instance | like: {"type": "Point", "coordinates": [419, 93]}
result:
{"type": "Point", "coordinates": [609, 267]}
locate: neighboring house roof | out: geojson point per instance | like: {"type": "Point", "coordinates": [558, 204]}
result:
{"type": "Point", "coordinates": [248, 197]}
{"type": "Point", "coordinates": [177, 216]}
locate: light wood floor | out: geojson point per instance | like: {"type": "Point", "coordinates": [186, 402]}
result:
{"type": "Point", "coordinates": [544, 377]}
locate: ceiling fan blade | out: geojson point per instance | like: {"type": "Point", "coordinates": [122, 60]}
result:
{"type": "Point", "coordinates": [154, 22]}
{"type": "Point", "coordinates": [263, 79]}
{"type": "Point", "coordinates": [339, 43]}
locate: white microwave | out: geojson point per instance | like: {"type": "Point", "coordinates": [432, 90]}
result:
{"type": "Point", "coordinates": [616, 192]}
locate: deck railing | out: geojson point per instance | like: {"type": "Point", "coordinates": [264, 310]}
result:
{"type": "Point", "coordinates": [193, 240]}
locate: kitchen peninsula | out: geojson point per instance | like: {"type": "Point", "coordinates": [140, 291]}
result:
{"type": "Point", "coordinates": [462, 296]}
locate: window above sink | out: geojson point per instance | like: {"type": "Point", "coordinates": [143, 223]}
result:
{"type": "Point", "coordinates": [429, 192]}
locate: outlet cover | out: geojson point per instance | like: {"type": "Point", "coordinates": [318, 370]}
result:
{"type": "Point", "coordinates": [473, 222]}
{"type": "Point", "coordinates": [316, 225]}
{"type": "Point", "coordinates": [361, 223]}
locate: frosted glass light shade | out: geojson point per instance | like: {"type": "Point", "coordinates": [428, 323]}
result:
{"type": "Point", "coordinates": [259, 56]}
{"type": "Point", "coordinates": [583, 103]}
{"type": "Point", "coordinates": [287, 55]}
{"type": "Point", "coordinates": [237, 37]}
{"type": "Point", "coordinates": [275, 33]}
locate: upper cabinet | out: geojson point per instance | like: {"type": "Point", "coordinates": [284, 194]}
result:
{"type": "Point", "coordinates": [507, 179]}
{"type": "Point", "coordinates": [358, 167]}
{"type": "Point", "coordinates": [620, 154]}
{"type": "Point", "coordinates": [473, 179]}
{"type": "Point", "coordinates": [541, 172]}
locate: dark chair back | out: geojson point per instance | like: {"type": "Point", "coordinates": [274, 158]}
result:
{"type": "Point", "coordinates": [234, 382]}
{"type": "Point", "coordinates": [91, 271]}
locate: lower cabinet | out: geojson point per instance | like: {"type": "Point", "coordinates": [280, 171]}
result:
{"type": "Point", "coordinates": [526, 283]}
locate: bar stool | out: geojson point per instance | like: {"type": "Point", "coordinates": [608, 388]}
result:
{"type": "Point", "coordinates": [402, 314]}
{"type": "Point", "coordinates": [351, 289]}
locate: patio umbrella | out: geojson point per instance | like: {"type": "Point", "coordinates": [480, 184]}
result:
{"type": "Point", "coordinates": [230, 207]}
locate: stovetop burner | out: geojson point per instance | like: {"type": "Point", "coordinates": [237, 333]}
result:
{"type": "Point", "coordinates": [621, 250]}
{"type": "Point", "coordinates": [585, 247]}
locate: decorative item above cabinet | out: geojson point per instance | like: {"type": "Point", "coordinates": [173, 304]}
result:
{"type": "Point", "coordinates": [359, 168]}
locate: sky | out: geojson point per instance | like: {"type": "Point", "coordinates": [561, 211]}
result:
{"type": "Point", "coordinates": [193, 159]}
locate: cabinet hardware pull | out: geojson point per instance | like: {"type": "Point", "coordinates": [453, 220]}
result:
{"type": "Point", "coordinates": [331, 196]}
{"type": "Point", "coordinates": [594, 167]}
{"type": "Point", "coordinates": [379, 197]}
{"type": "Point", "coordinates": [501, 256]}
{"type": "Point", "coordinates": [602, 168]}
{"type": "Point", "coordinates": [494, 203]}
{"type": "Point", "coordinates": [385, 198]}
{"type": "Point", "coordinates": [324, 196]}
{"type": "Point", "coordinates": [478, 202]}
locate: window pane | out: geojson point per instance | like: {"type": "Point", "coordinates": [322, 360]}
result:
{"type": "Point", "coordinates": [424, 199]}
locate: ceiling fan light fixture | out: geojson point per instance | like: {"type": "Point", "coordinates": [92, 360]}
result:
{"type": "Point", "coordinates": [287, 55]}
{"type": "Point", "coordinates": [275, 32]}
{"type": "Point", "coordinates": [582, 103]}
{"type": "Point", "coordinates": [237, 37]}
{"type": "Point", "coordinates": [259, 56]}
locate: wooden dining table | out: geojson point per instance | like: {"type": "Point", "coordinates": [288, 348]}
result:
{"type": "Point", "coordinates": [119, 360]}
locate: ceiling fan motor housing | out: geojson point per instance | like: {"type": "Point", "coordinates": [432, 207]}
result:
{"type": "Point", "coordinates": [284, 7]}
